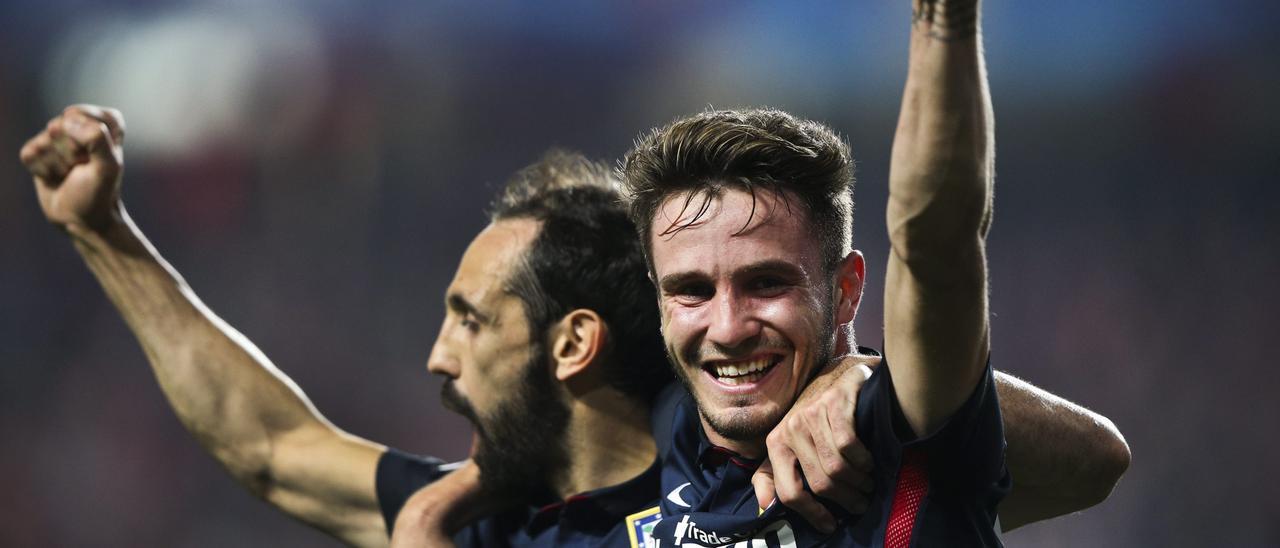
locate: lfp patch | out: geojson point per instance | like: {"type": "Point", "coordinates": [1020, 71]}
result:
{"type": "Point", "coordinates": [640, 527]}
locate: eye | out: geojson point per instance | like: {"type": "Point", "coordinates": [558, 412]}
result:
{"type": "Point", "coordinates": [767, 285]}
{"type": "Point", "coordinates": [693, 292]}
{"type": "Point", "coordinates": [469, 323]}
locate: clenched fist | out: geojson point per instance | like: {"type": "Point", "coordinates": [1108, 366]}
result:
{"type": "Point", "coordinates": [77, 162]}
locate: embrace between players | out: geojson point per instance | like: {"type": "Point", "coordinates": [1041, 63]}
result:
{"type": "Point", "coordinates": [780, 431]}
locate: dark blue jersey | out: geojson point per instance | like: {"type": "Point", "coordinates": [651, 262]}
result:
{"type": "Point", "coordinates": [620, 515]}
{"type": "Point", "coordinates": [940, 490]}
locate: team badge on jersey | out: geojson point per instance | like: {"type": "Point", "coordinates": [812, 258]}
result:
{"type": "Point", "coordinates": [640, 527]}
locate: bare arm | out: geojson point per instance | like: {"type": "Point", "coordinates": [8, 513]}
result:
{"type": "Point", "coordinates": [242, 409]}
{"type": "Point", "coordinates": [937, 335]}
{"type": "Point", "coordinates": [1063, 457]}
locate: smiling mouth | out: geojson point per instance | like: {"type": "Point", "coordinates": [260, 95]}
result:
{"type": "Point", "coordinates": [738, 372]}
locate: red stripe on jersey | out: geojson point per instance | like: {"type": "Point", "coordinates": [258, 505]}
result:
{"type": "Point", "coordinates": [913, 485]}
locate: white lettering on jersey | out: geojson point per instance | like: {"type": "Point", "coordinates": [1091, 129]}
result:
{"type": "Point", "coordinates": [689, 535]}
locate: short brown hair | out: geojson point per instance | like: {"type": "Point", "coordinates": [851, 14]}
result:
{"type": "Point", "coordinates": [751, 148]}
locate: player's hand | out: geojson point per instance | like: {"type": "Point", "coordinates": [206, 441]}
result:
{"type": "Point", "coordinates": [77, 162]}
{"type": "Point", "coordinates": [816, 442]}
{"type": "Point", "coordinates": [432, 515]}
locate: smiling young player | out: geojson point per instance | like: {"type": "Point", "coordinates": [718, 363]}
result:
{"type": "Point", "coordinates": [746, 218]}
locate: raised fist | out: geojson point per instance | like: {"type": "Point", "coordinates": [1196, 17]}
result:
{"type": "Point", "coordinates": [77, 162]}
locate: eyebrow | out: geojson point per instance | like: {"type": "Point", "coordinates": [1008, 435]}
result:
{"type": "Point", "coordinates": [670, 281]}
{"type": "Point", "coordinates": [460, 304]}
{"type": "Point", "coordinates": [772, 266]}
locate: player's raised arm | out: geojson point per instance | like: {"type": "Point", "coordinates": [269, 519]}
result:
{"type": "Point", "coordinates": [937, 336]}
{"type": "Point", "coordinates": [242, 409]}
{"type": "Point", "coordinates": [1062, 457]}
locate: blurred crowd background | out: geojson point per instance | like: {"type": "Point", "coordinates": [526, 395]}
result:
{"type": "Point", "coordinates": [315, 170]}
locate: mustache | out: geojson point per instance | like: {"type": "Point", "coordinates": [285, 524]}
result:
{"type": "Point", "coordinates": [454, 401]}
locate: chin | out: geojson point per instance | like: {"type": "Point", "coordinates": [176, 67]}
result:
{"type": "Point", "coordinates": [743, 424]}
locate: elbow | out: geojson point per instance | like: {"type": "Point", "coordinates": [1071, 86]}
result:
{"type": "Point", "coordinates": [1115, 461]}
{"type": "Point", "coordinates": [249, 468]}
{"type": "Point", "coordinates": [1110, 464]}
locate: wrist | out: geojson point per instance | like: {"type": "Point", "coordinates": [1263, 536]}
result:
{"type": "Point", "coordinates": [110, 229]}
{"type": "Point", "coordinates": [946, 19]}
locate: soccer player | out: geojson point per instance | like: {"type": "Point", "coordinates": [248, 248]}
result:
{"type": "Point", "coordinates": [515, 321]}
{"type": "Point", "coordinates": [550, 345]}
{"type": "Point", "coordinates": [513, 315]}
{"type": "Point", "coordinates": [746, 217]}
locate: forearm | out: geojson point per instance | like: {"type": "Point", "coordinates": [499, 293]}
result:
{"type": "Point", "coordinates": [940, 174]}
{"type": "Point", "coordinates": [1063, 458]}
{"type": "Point", "coordinates": [940, 178]}
{"type": "Point", "coordinates": [221, 387]}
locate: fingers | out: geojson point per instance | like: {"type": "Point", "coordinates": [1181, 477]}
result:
{"type": "Point", "coordinates": [841, 445]}
{"type": "Point", "coordinates": [107, 115]}
{"type": "Point", "coordinates": [82, 134]}
{"type": "Point", "coordinates": [789, 485]}
{"type": "Point", "coordinates": [850, 461]}
{"type": "Point", "coordinates": [68, 151]}
{"type": "Point", "coordinates": [34, 155]}
{"type": "Point", "coordinates": [762, 481]}
{"type": "Point", "coordinates": [816, 443]}
{"type": "Point", "coordinates": [824, 467]}
{"type": "Point", "coordinates": [50, 155]}
{"type": "Point", "coordinates": [92, 136]}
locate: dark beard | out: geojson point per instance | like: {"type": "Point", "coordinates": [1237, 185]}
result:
{"type": "Point", "coordinates": [522, 441]}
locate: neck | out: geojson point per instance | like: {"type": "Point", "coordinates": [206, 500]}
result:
{"type": "Point", "coordinates": [609, 440]}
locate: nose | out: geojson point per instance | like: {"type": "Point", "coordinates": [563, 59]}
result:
{"type": "Point", "coordinates": [731, 322]}
{"type": "Point", "coordinates": [442, 361]}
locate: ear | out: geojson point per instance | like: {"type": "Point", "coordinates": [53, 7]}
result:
{"type": "Point", "coordinates": [579, 338]}
{"type": "Point", "coordinates": [850, 274]}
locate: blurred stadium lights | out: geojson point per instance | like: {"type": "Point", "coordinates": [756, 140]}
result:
{"type": "Point", "coordinates": [248, 76]}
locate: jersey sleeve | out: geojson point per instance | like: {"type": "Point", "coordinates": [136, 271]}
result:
{"type": "Point", "coordinates": [965, 454]}
{"type": "Point", "coordinates": [399, 476]}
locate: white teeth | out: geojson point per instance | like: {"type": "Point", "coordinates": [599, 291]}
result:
{"type": "Point", "coordinates": [732, 373]}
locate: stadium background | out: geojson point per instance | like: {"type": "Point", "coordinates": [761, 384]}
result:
{"type": "Point", "coordinates": [315, 170]}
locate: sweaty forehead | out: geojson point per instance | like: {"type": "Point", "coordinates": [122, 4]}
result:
{"type": "Point", "coordinates": [490, 259]}
{"type": "Point", "coordinates": [701, 231]}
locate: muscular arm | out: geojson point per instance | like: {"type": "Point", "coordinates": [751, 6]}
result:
{"type": "Point", "coordinates": [242, 409]}
{"type": "Point", "coordinates": [1063, 458]}
{"type": "Point", "coordinates": [937, 335]}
